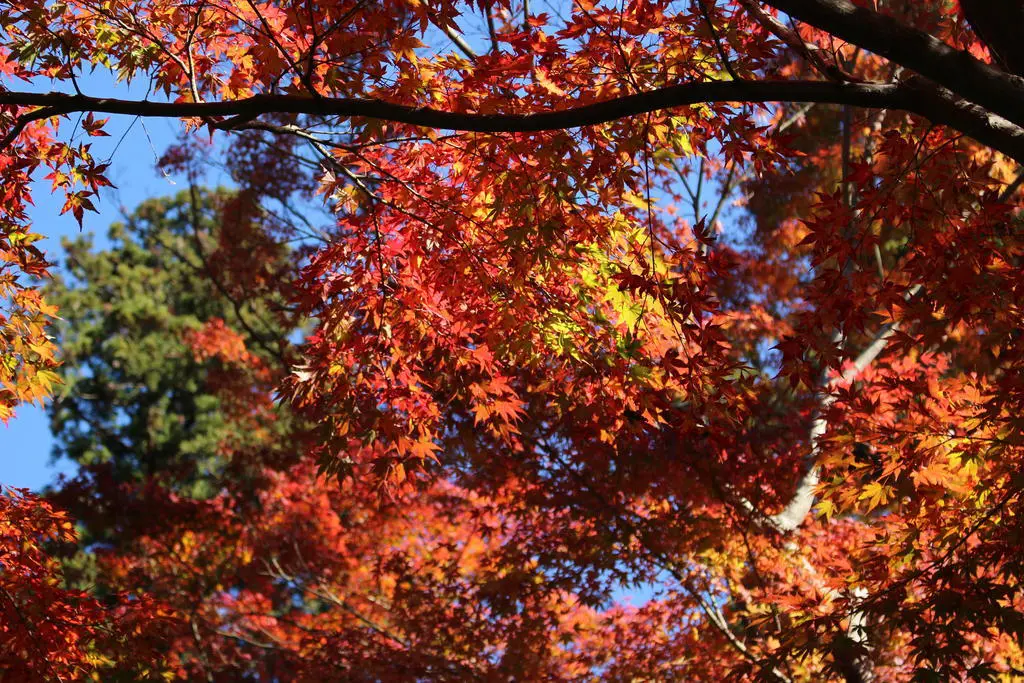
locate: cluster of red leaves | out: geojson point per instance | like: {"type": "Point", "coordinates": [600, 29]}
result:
{"type": "Point", "coordinates": [50, 632]}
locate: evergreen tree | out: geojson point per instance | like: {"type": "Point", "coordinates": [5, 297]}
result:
{"type": "Point", "coordinates": [137, 402]}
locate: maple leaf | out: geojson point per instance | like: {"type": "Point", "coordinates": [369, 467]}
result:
{"type": "Point", "coordinates": [875, 493]}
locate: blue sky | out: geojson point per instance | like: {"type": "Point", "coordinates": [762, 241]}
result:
{"type": "Point", "coordinates": [25, 443]}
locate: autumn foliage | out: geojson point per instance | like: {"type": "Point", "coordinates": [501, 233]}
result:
{"type": "Point", "coordinates": [644, 341]}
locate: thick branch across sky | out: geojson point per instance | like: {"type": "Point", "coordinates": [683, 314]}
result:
{"type": "Point", "coordinates": [932, 102]}
{"type": "Point", "coordinates": [998, 91]}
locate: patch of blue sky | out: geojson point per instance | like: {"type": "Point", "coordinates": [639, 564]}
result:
{"type": "Point", "coordinates": [133, 147]}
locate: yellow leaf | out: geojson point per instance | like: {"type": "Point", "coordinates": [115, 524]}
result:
{"type": "Point", "coordinates": [549, 85]}
{"type": "Point", "coordinates": [876, 494]}
{"type": "Point", "coordinates": [636, 200]}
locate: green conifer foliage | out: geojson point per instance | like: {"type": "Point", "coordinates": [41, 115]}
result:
{"type": "Point", "coordinates": [136, 397]}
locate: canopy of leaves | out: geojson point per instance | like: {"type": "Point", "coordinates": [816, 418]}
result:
{"type": "Point", "coordinates": [590, 312]}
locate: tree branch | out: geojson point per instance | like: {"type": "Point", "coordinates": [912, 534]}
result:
{"type": "Point", "coordinates": [998, 23]}
{"type": "Point", "coordinates": [940, 108]}
{"type": "Point", "coordinates": [956, 70]}
{"type": "Point", "coordinates": [808, 51]}
{"type": "Point", "coordinates": [799, 506]}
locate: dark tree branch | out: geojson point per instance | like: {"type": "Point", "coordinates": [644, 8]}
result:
{"type": "Point", "coordinates": [999, 24]}
{"type": "Point", "coordinates": [999, 92]}
{"type": "Point", "coordinates": [918, 97]}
